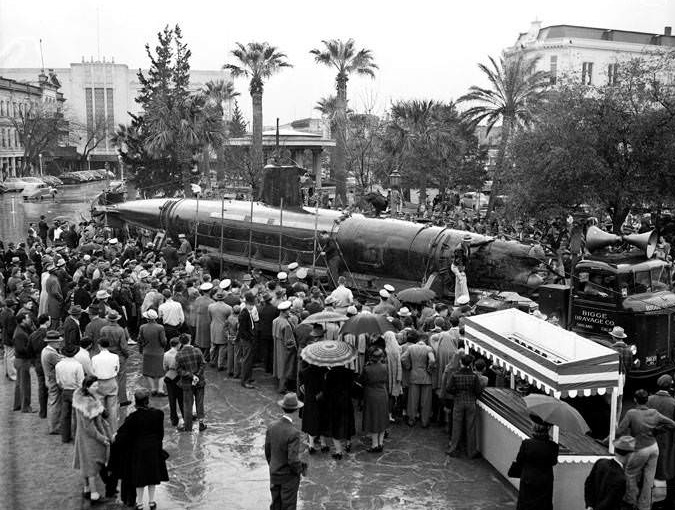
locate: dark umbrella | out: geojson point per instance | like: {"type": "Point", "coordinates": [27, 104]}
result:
{"type": "Point", "coordinates": [365, 322]}
{"type": "Point", "coordinates": [90, 247]}
{"type": "Point", "coordinates": [416, 295]}
{"type": "Point", "coordinates": [324, 317]}
{"type": "Point", "coordinates": [557, 412]}
{"type": "Point", "coordinates": [328, 353]}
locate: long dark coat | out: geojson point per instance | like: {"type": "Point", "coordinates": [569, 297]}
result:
{"type": "Point", "coordinates": [338, 399]}
{"type": "Point", "coordinates": [536, 458]}
{"type": "Point", "coordinates": [140, 438]}
{"type": "Point", "coordinates": [375, 380]}
{"type": "Point", "coordinates": [313, 414]}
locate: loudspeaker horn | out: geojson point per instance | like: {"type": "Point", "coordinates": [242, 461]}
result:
{"type": "Point", "coordinates": [646, 242]}
{"type": "Point", "coordinates": [597, 238]}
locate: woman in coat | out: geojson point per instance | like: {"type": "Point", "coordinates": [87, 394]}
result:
{"type": "Point", "coordinates": [140, 439]}
{"type": "Point", "coordinates": [151, 344]}
{"type": "Point", "coordinates": [313, 414]}
{"type": "Point", "coordinates": [92, 437]}
{"type": "Point", "coordinates": [375, 380]}
{"type": "Point", "coordinates": [534, 466]}
{"type": "Point", "coordinates": [340, 408]}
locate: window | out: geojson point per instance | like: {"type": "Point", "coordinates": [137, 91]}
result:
{"type": "Point", "coordinates": [612, 74]}
{"type": "Point", "coordinates": [553, 69]}
{"type": "Point", "coordinates": [587, 73]}
{"type": "Point", "coordinates": [89, 102]}
{"type": "Point", "coordinates": [2, 135]}
{"type": "Point", "coordinates": [2, 108]}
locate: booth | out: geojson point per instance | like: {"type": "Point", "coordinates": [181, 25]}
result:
{"type": "Point", "coordinates": [558, 363]}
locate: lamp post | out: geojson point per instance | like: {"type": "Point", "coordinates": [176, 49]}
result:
{"type": "Point", "coordinates": [394, 183]}
{"type": "Point", "coordinates": [41, 172]}
{"type": "Point", "coordinates": [119, 160]}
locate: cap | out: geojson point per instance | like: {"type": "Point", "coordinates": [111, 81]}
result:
{"type": "Point", "coordinates": [384, 294]}
{"type": "Point", "coordinates": [181, 236]}
{"type": "Point", "coordinates": [664, 382]}
{"type": "Point", "coordinates": [225, 284]}
{"type": "Point", "coordinates": [206, 286]}
{"type": "Point", "coordinates": [301, 273]}
{"type": "Point", "coordinates": [389, 288]}
{"type": "Point", "coordinates": [351, 310]}
{"type": "Point", "coordinates": [282, 275]}
{"type": "Point", "coordinates": [463, 300]}
{"type": "Point", "coordinates": [113, 241]}
{"type": "Point", "coordinates": [284, 305]}
{"type": "Point", "coordinates": [293, 266]}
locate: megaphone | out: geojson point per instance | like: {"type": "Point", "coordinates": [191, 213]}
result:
{"type": "Point", "coordinates": [596, 238]}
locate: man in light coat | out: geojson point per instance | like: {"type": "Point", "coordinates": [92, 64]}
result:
{"type": "Point", "coordinates": [49, 357]}
{"type": "Point", "coordinates": [202, 319]}
{"type": "Point", "coordinates": [219, 311]}
{"type": "Point", "coordinates": [285, 348]}
{"type": "Point", "coordinates": [54, 296]}
{"type": "Point", "coordinates": [420, 360]}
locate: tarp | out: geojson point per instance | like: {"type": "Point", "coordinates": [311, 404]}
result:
{"type": "Point", "coordinates": [555, 360]}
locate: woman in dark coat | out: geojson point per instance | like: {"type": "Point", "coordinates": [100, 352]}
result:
{"type": "Point", "coordinates": [313, 414]}
{"type": "Point", "coordinates": [534, 465]}
{"type": "Point", "coordinates": [340, 408]}
{"type": "Point", "coordinates": [151, 342]}
{"type": "Point", "coordinates": [140, 438]}
{"type": "Point", "coordinates": [375, 381]}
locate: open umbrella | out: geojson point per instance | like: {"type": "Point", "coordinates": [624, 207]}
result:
{"type": "Point", "coordinates": [557, 412]}
{"type": "Point", "coordinates": [90, 247]}
{"type": "Point", "coordinates": [328, 353]}
{"type": "Point", "coordinates": [324, 317]}
{"type": "Point", "coordinates": [416, 295]}
{"type": "Point", "coordinates": [366, 323]}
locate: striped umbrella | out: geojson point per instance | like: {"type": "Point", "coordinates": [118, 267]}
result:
{"type": "Point", "coordinates": [324, 317]}
{"type": "Point", "coordinates": [328, 353]}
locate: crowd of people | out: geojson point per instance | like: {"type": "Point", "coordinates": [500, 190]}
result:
{"type": "Point", "coordinates": [76, 302]}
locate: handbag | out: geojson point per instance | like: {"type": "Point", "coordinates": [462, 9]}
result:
{"type": "Point", "coordinates": [515, 470]}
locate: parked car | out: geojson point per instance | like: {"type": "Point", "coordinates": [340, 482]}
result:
{"type": "Point", "coordinates": [38, 191]}
{"type": "Point", "coordinates": [51, 180]}
{"type": "Point", "coordinates": [474, 200]}
{"type": "Point", "coordinates": [15, 183]}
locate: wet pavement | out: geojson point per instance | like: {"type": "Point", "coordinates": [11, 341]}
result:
{"type": "Point", "coordinates": [71, 201]}
{"type": "Point", "coordinates": [224, 466]}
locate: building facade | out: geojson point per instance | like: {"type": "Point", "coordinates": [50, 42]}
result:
{"type": "Point", "coordinates": [585, 53]}
{"type": "Point", "coordinates": [100, 95]}
{"type": "Point", "coordinates": [16, 99]}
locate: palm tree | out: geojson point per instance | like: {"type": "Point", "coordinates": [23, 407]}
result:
{"type": "Point", "coordinates": [347, 60]}
{"type": "Point", "coordinates": [515, 88]}
{"type": "Point", "coordinates": [257, 61]}
{"type": "Point", "coordinates": [217, 92]}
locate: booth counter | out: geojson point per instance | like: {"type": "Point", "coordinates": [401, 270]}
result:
{"type": "Point", "coordinates": [557, 362]}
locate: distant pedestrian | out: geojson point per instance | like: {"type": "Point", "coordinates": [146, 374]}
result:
{"type": "Point", "coordinates": [22, 362]}
{"type": "Point", "coordinates": [151, 344]}
{"type": "Point", "coordinates": [283, 451]}
{"type": "Point", "coordinates": [7, 327]}
{"type": "Point", "coordinates": [190, 367]}
{"type": "Point", "coordinates": [49, 358]}
{"type": "Point", "coordinates": [464, 385]}
{"type": "Point", "coordinates": [37, 342]}
{"type": "Point", "coordinates": [69, 376]}
{"type": "Point", "coordinates": [246, 334]}
{"type": "Point", "coordinates": [285, 349]}
{"type": "Point", "coordinates": [605, 486]}
{"type": "Point", "coordinates": [174, 392]}
{"type": "Point", "coordinates": [92, 437]}
{"type": "Point", "coordinates": [118, 344]}
{"type": "Point", "coordinates": [219, 311]}
{"type": "Point", "coordinates": [375, 382]}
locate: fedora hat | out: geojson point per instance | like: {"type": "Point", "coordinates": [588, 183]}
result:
{"type": "Point", "coordinates": [53, 336]}
{"type": "Point", "coordinates": [404, 312]}
{"type": "Point", "coordinates": [219, 295]}
{"type": "Point", "coordinates": [75, 310]}
{"type": "Point", "coordinates": [290, 402]}
{"type": "Point", "coordinates": [625, 444]}
{"type": "Point", "coordinates": [113, 316]}
{"type": "Point", "coordinates": [102, 294]}
{"type": "Point", "coordinates": [151, 315]}
{"type": "Point", "coordinates": [70, 350]}
{"type": "Point", "coordinates": [301, 273]}
{"type": "Point", "coordinates": [618, 332]}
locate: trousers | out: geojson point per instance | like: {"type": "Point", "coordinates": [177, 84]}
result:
{"type": "Point", "coordinates": [285, 495]}
{"type": "Point", "coordinates": [192, 394]}
{"type": "Point", "coordinates": [175, 395]}
{"type": "Point", "coordinates": [122, 381]}
{"type": "Point", "coordinates": [464, 423]}
{"type": "Point", "coordinates": [53, 409]}
{"type": "Point", "coordinates": [218, 355]}
{"type": "Point", "coordinates": [108, 391]}
{"type": "Point", "coordinates": [233, 359]}
{"type": "Point", "coordinates": [419, 397]}
{"type": "Point", "coordinates": [246, 361]}
{"type": "Point", "coordinates": [67, 415]}
{"type": "Point", "coordinates": [8, 356]}
{"type": "Point", "coordinates": [641, 465]}
{"type": "Point", "coordinates": [42, 388]}
{"type": "Point", "coordinates": [22, 385]}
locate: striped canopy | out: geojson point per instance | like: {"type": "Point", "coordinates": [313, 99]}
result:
{"type": "Point", "coordinates": [555, 360]}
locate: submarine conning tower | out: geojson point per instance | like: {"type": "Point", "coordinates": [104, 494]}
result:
{"type": "Point", "coordinates": [282, 182]}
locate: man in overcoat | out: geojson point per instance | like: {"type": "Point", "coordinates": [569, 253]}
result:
{"type": "Point", "coordinates": [203, 319]}
{"type": "Point", "coordinates": [285, 348]}
{"type": "Point", "coordinates": [54, 296]}
{"type": "Point", "coordinates": [49, 357]}
{"type": "Point", "coordinates": [420, 360]}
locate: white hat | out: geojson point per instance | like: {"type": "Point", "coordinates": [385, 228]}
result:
{"type": "Point", "coordinates": [282, 275]}
{"type": "Point", "coordinates": [404, 312]}
{"type": "Point", "coordinates": [181, 236]}
{"type": "Point", "coordinates": [384, 294]}
{"type": "Point", "coordinates": [151, 314]}
{"type": "Point", "coordinates": [351, 310]}
{"type": "Point", "coordinates": [618, 332]}
{"type": "Point", "coordinates": [293, 266]}
{"type": "Point", "coordinates": [206, 286]}
{"type": "Point", "coordinates": [143, 274]}
{"type": "Point", "coordinates": [61, 262]}
{"type": "Point", "coordinates": [102, 294]}
{"type": "Point", "coordinates": [113, 241]}
{"type": "Point", "coordinates": [389, 288]}
{"type": "Point", "coordinates": [301, 273]}
{"type": "Point", "coordinates": [284, 305]}
{"type": "Point", "coordinates": [540, 315]}
{"type": "Point", "coordinates": [87, 257]}
{"type": "Point", "coordinates": [225, 284]}
{"type": "Point", "coordinates": [463, 299]}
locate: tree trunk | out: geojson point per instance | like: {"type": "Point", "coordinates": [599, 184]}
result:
{"type": "Point", "coordinates": [507, 125]}
{"type": "Point", "coordinates": [256, 141]}
{"type": "Point", "coordinates": [339, 163]}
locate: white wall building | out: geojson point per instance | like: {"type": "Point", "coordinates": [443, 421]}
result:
{"type": "Point", "coordinates": [102, 93]}
{"type": "Point", "coordinates": [585, 53]}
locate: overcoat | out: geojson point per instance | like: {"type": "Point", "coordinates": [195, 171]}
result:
{"type": "Point", "coordinates": [202, 322]}
{"type": "Point", "coordinates": [92, 431]}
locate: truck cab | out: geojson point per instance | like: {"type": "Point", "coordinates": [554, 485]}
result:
{"type": "Point", "coordinates": [623, 289]}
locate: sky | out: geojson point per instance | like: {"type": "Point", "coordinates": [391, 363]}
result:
{"type": "Point", "coordinates": [425, 49]}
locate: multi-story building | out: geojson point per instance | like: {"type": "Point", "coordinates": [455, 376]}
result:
{"type": "Point", "coordinates": [17, 98]}
{"type": "Point", "coordinates": [586, 53]}
{"type": "Point", "coordinates": [100, 95]}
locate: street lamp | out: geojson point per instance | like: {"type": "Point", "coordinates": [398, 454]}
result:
{"type": "Point", "coordinates": [41, 172]}
{"type": "Point", "coordinates": [119, 160]}
{"type": "Point", "coordinates": [394, 183]}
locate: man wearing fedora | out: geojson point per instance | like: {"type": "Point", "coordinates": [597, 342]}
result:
{"type": "Point", "coordinates": [284, 451]}
{"type": "Point", "coordinates": [246, 335]}
{"type": "Point", "coordinates": [605, 486]}
{"type": "Point", "coordinates": [202, 319]}
{"type": "Point", "coordinates": [267, 313]}
{"type": "Point", "coordinates": [49, 357]}
{"type": "Point", "coordinates": [69, 377]}
{"type": "Point", "coordinates": [117, 337]}
{"type": "Point", "coordinates": [219, 311]}
{"type": "Point", "coordinates": [71, 326]}
{"type": "Point", "coordinates": [285, 348]}
{"type": "Point", "coordinates": [625, 362]}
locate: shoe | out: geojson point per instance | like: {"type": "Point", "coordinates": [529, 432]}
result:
{"type": "Point", "coordinates": [337, 456]}
{"type": "Point", "coordinates": [152, 505]}
{"type": "Point", "coordinates": [386, 434]}
{"type": "Point", "coordinates": [230, 375]}
{"type": "Point", "coordinates": [451, 453]}
{"type": "Point", "coordinates": [86, 494]}
{"type": "Point", "coordinates": [184, 429]}
{"type": "Point", "coordinates": [248, 386]}
{"type": "Point", "coordinates": [374, 449]}
{"type": "Point", "coordinates": [29, 410]}
{"type": "Point", "coordinates": [174, 423]}
{"type": "Point", "coordinates": [348, 447]}
{"type": "Point", "coordinates": [202, 426]}
{"type": "Point", "coordinates": [160, 394]}
{"type": "Point", "coordinates": [153, 393]}
{"type": "Point", "coordinates": [325, 449]}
